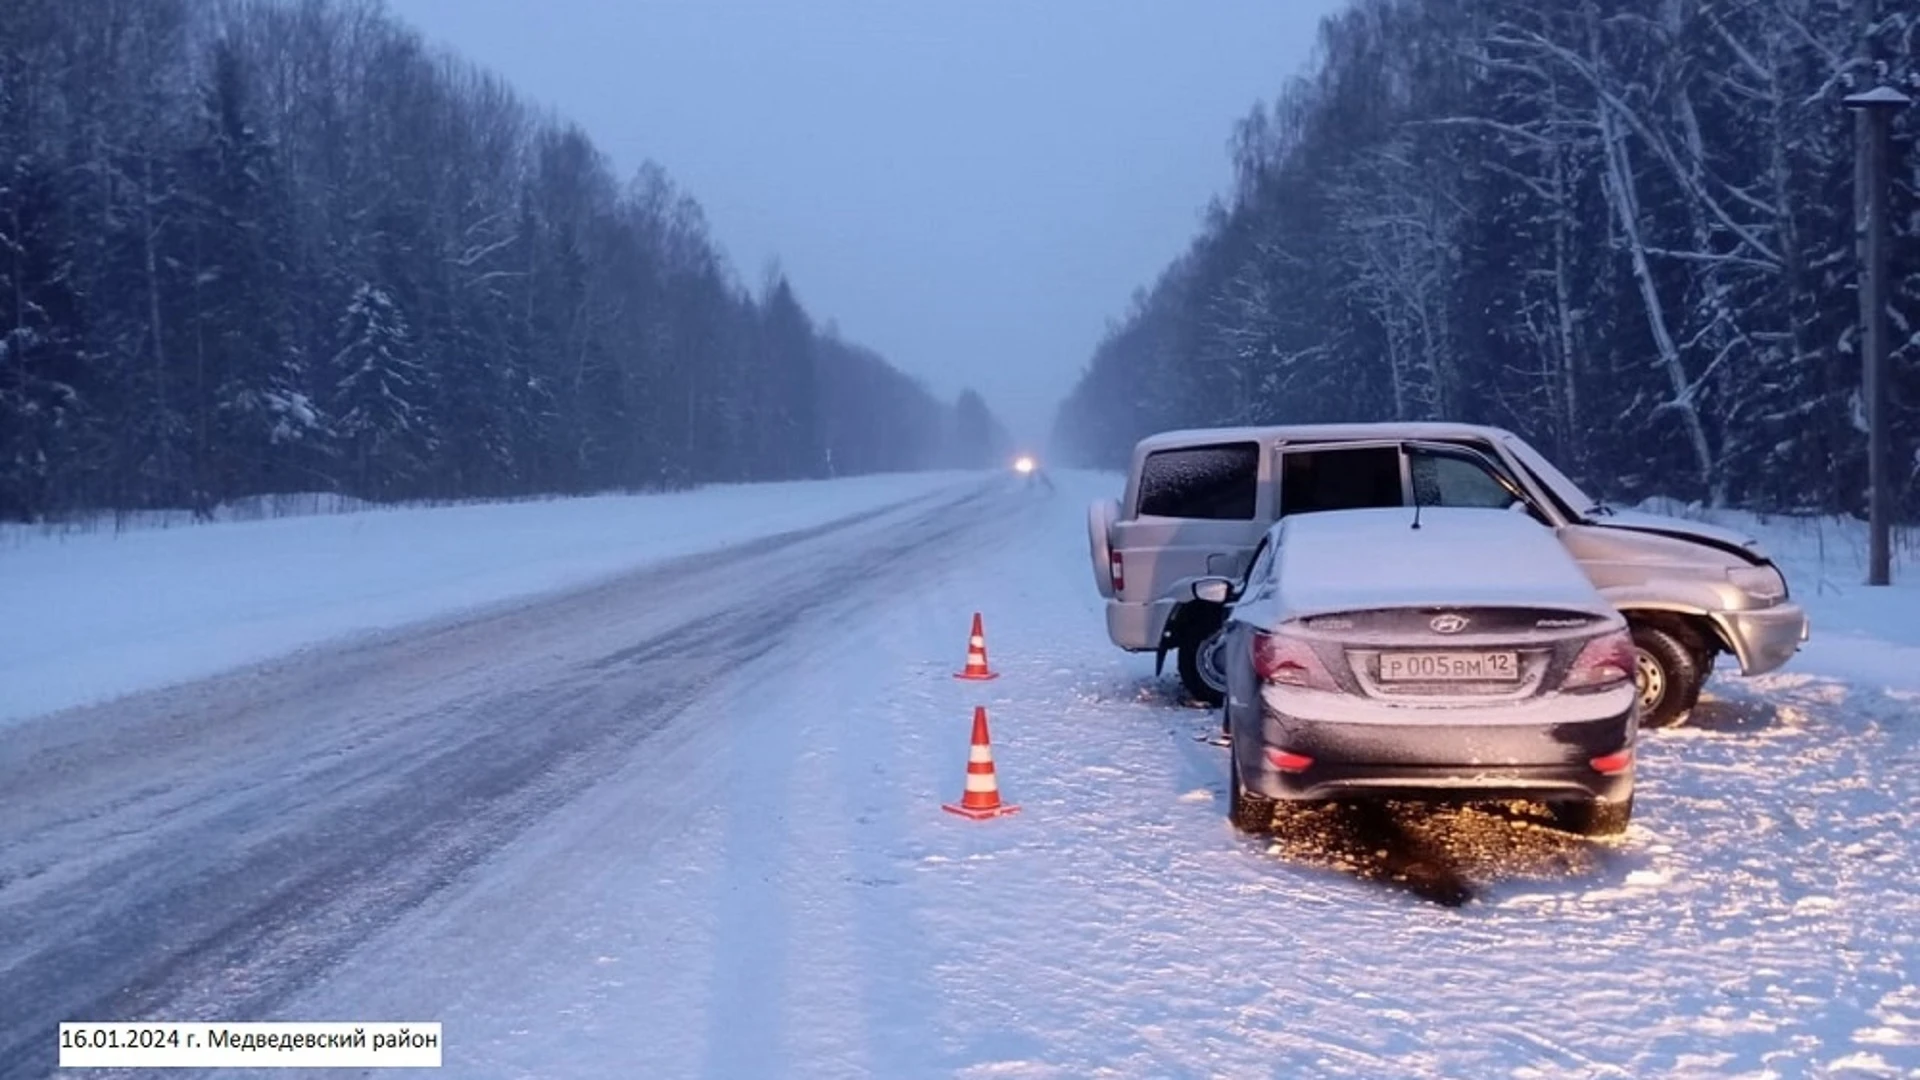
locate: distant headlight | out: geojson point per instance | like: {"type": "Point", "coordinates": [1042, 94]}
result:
{"type": "Point", "coordinates": [1023, 464]}
{"type": "Point", "coordinates": [1759, 582]}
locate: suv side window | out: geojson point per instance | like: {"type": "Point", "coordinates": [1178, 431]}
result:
{"type": "Point", "coordinates": [1215, 483]}
{"type": "Point", "coordinates": [1340, 478]}
{"type": "Point", "coordinates": [1446, 481]}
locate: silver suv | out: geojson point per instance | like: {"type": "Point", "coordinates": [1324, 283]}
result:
{"type": "Point", "coordinates": [1198, 504]}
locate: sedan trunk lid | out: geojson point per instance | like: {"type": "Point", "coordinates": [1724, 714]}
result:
{"type": "Point", "coordinates": [1363, 560]}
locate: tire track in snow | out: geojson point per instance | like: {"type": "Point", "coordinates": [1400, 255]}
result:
{"type": "Point", "coordinates": [756, 992]}
{"type": "Point", "coordinates": [899, 753]}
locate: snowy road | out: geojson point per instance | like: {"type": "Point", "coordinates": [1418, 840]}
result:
{"type": "Point", "coordinates": [203, 851]}
{"type": "Point", "coordinates": [688, 824]}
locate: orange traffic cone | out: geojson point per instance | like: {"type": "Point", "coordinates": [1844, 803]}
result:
{"type": "Point", "coordinates": [977, 655]}
{"type": "Point", "coordinates": [982, 798]}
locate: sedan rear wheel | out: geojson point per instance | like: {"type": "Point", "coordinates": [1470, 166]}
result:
{"type": "Point", "coordinates": [1249, 813]}
{"type": "Point", "coordinates": [1594, 818]}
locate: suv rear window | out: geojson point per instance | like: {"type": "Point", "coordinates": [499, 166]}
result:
{"type": "Point", "coordinates": [1346, 478]}
{"type": "Point", "coordinates": [1216, 483]}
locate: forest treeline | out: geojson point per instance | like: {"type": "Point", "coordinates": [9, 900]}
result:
{"type": "Point", "coordinates": [1623, 228]}
{"type": "Point", "coordinates": [256, 247]}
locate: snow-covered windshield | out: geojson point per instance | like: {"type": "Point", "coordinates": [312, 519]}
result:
{"type": "Point", "coordinates": [1558, 483]}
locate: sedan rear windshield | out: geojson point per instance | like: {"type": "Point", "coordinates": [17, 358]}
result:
{"type": "Point", "coordinates": [1215, 483]}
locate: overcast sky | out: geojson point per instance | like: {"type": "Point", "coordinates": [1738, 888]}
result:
{"type": "Point", "coordinates": [970, 187]}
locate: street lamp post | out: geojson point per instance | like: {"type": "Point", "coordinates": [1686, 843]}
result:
{"type": "Point", "coordinates": [1873, 118]}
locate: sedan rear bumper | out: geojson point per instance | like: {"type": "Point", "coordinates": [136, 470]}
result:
{"type": "Point", "coordinates": [1431, 757]}
{"type": "Point", "coordinates": [1445, 783]}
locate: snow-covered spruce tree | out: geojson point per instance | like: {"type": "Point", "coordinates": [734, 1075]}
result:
{"type": "Point", "coordinates": [41, 364]}
{"type": "Point", "coordinates": [255, 429]}
{"type": "Point", "coordinates": [790, 446]}
{"type": "Point", "coordinates": [380, 398]}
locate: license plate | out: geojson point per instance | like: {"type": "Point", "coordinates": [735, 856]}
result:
{"type": "Point", "coordinates": [1449, 667]}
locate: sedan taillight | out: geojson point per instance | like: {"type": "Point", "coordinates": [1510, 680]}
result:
{"type": "Point", "coordinates": [1606, 661]}
{"type": "Point", "coordinates": [1289, 661]}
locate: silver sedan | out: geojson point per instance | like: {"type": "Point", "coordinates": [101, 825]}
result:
{"type": "Point", "coordinates": [1448, 653]}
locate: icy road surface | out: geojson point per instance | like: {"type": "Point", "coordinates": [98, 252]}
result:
{"type": "Point", "coordinates": [117, 612]}
{"type": "Point", "coordinates": [687, 824]}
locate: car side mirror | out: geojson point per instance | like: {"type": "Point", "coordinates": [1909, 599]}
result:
{"type": "Point", "coordinates": [1213, 590]}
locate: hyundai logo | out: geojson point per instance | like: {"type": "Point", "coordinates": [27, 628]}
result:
{"type": "Point", "coordinates": [1448, 623]}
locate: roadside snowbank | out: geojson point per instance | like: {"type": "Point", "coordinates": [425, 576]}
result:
{"type": "Point", "coordinates": [91, 616]}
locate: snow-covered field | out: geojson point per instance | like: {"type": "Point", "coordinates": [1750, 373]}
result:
{"type": "Point", "coordinates": [768, 887]}
{"type": "Point", "coordinates": [102, 614]}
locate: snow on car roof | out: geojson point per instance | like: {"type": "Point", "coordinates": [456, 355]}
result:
{"type": "Point", "coordinates": [1312, 432]}
{"type": "Point", "coordinates": [1351, 560]}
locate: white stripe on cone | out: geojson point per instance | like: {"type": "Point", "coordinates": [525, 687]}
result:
{"type": "Point", "coordinates": [980, 782]}
{"type": "Point", "coordinates": [981, 754]}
